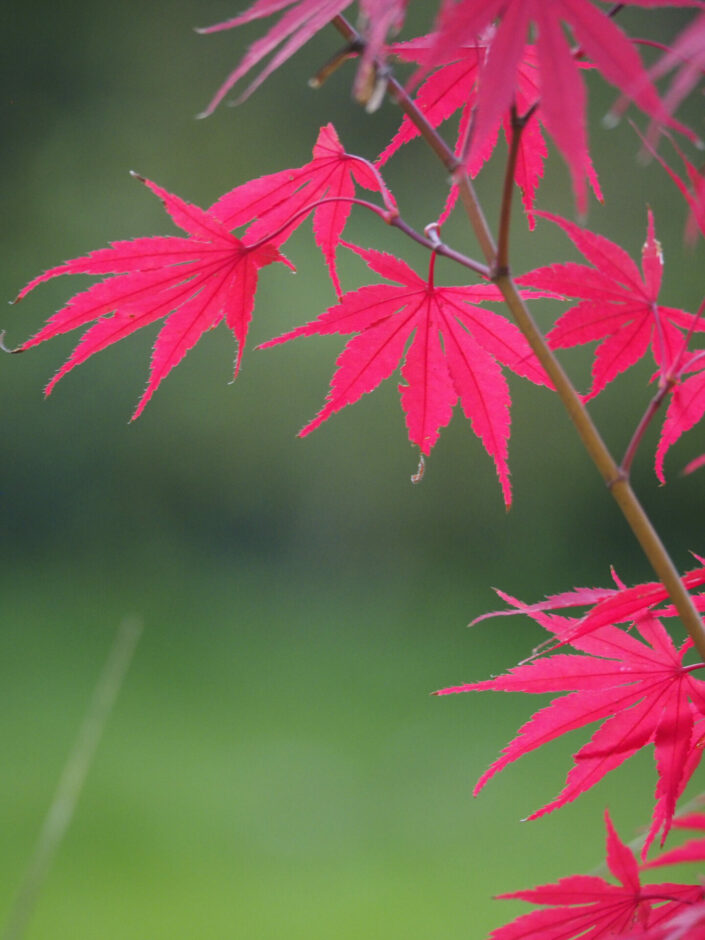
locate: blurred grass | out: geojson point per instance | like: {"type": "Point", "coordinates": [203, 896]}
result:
{"type": "Point", "coordinates": [275, 765]}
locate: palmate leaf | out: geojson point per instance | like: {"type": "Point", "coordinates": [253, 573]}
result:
{"type": "Point", "coordinates": [454, 86]}
{"type": "Point", "coordinates": [693, 192]}
{"type": "Point", "coordinates": [687, 55]}
{"type": "Point", "coordinates": [456, 352]}
{"type": "Point", "coordinates": [691, 851]}
{"type": "Point", "coordinates": [195, 282]}
{"type": "Point", "coordinates": [608, 606]}
{"type": "Point", "coordinates": [280, 199]}
{"type": "Point", "coordinates": [639, 689]}
{"type": "Point", "coordinates": [563, 98]}
{"type": "Point", "coordinates": [586, 906]}
{"type": "Point", "coordinates": [685, 408]}
{"type": "Point", "coordinates": [619, 304]}
{"type": "Point", "coordinates": [302, 20]}
{"type": "Point", "coordinates": [192, 283]}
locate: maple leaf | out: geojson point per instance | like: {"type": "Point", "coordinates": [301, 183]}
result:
{"type": "Point", "coordinates": [193, 282]}
{"type": "Point", "coordinates": [685, 408]}
{"type": "Point", "coordinates": [281, 198]}
{"type": "Point", "coordinates": [298, 24]}
{"type": "Point", "coordinates": [691, 851]}
{"type": "Point", "coordinates": [465, 367]}
{"type": "Point", "coordinates": [638, 688]}
{"type": "Point", "coordinates": [619, 305]}
{"type": "Point", "coordinates": [693, 465]}
{"type": "Point", "coordinates": [694, 196]}
{"type": "Point", "coordinates": [589, 906]}
{"type": "Point", "coordinates": [454, 86]}
{"type": "Point", "coordinates": [563, 97]}
{"type": "Point", "coordinates": [685, 924]}
{"type": "Point", "coordinates": [687, 54]}
{"type": "Point", "coordinates": [609, 606]}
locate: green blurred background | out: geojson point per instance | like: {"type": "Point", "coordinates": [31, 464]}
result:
{"type": "Point", "coordinates": [275, 766]}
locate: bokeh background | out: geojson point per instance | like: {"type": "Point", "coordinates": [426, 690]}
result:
{"type": "Point", "coordinates": [275, 765]}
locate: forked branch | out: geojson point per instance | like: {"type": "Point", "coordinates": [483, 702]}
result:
{"type": "Point", "coordinates": [498, 261]}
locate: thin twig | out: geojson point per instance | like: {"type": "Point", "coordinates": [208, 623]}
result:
{"type": "Point", "coordinates": [391, 218]}
{"type": "Point", "coordinates": [646, 419]}
{"type": "Point", "coordinates": [70, 784]}
{"type": "Point", "coordinates": [518, 123]}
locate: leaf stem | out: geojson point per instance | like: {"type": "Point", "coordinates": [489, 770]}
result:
{"type": "Point", "coordinates": [518, 123]}
{"type": "Point", "coordinates": [384, 214]}
{"type": "Point", "coordinates": [393, 219]}
{"type": "Point", "coordinates": [616, 481]}
{"type": "Point", "coordinates": [445, 154]}
{"type": "Point", "coordinates": [439, 247]}
{"type": "Point", "coordinates": [646, 419]}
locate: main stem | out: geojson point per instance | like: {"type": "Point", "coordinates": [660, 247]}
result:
{"type": "Point", "coordinates": [617, 482]}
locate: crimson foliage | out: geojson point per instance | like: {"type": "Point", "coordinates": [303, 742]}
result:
{"type": "Point", "coordinates": [499, 63]}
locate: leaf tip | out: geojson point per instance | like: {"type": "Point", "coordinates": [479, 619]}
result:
{"type": "Point", "coordinates": [6, 349]}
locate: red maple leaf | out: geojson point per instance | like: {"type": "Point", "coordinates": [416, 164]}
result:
{"type": "Point", "coordinates": [685, 924]}
{"type": "Point", "coordinates": [685, 408]}
{"type": "Point", "coordinates": [466, 367]}
{"type": "Point", "coordinates": [687, 54]}
{"type": "Point", "coordinates": [619, 307]}
{"type": "Point", "coordinates": [638, 688]}
{"type": "Point", "coordinates": [294, 29]}
{"type": "Point", "coordinates": [694, 194]}
{"type": "Point", "coordinates": [693, 465]}
{"type": "Point", "coordinates": [588, 906]}
{"type": "Point", "coordinates": [281, 199]}
{"type": "Point", "coordinates": [691, 851]}
{"type": "Point", "coordinates": [193, 282]}
{"type": "Point", "coordinates": [608, 606]}
{"type": "Point", "coordinates": [454, 86]}
{"type": "Point", "coordinates": [562, 90]}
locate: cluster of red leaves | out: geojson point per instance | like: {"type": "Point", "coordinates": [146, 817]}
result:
{"type": "Point", "coordinates": [456, 347]}
{"type": "Point", "coordinates": [477, 61]}
{"type": "Point", "coordinates": [462, 26]}
{"type": "Point", "coordinates": [454, 86]}
{"type": "Point", "coordinates": [635, 683]}
{"type": "Point", "coordinates": [638, 686]}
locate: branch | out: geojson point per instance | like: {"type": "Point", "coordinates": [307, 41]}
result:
{"type": "Point", "coordinates": [615, 480]}
{"type": "Point", "coordinates": [445, 154]}
{"type": "Point", "coordinates": [390, 217]}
